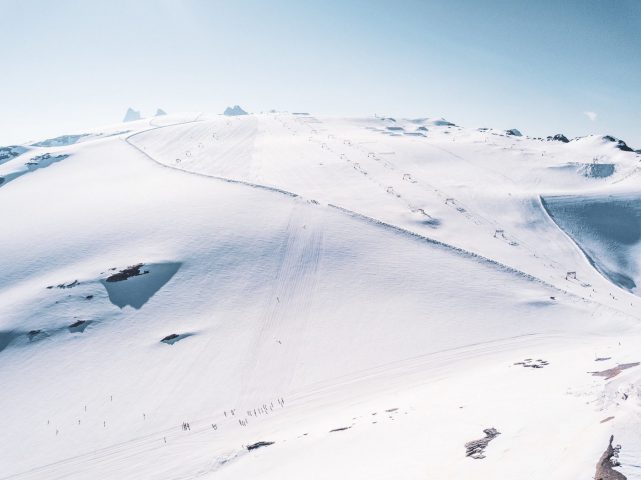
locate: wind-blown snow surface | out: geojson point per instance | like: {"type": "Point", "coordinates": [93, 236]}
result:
{"type": "Point", "coordinates": [361, 292]}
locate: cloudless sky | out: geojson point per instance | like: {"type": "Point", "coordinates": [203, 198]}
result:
{"type": "Point", "coordinates": [536, 65]}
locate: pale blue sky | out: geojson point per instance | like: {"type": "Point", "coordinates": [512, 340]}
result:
{"type": "Point", "coordinates": [534, 65]}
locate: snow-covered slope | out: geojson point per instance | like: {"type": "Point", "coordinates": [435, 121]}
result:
{"type": "Point", "coordinates": [368, 294]}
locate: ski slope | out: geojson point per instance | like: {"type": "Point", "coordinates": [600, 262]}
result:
{"type": "Point", "coordinates": [367, 294]}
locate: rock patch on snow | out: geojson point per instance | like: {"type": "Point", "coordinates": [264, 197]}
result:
{"type": "Point", "coordinates": [529, 363]}
{"type": "Point", "coordinates": [614, 371]}
{"type": "Point", "coordinates": [258, 445]}
{"type": "Point", "coordinates": [559, 137]}
{"type": "Point", "coordinates": [65, 285]}
{"type": "Point", "coordinates": [620, 144]}
{"type": "Point", "coordinates": [476, 448]}
{"type": "Point", "coordinates": [174, 337]}
{"type": "Point", "coordinates": [134, 287]}
{"type": "Point", "coordinates": [78, 326]}
{"type": "Point", "coordinates": [605, 466]}
{"type": "Point", "coordinates": [340, 429]}
{"type": "Point", "coordinates": [7, 153]}
{"type": "Point", "coordinates": [132, 271]}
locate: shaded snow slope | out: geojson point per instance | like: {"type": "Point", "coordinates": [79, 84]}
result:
{"type": "Point", "coordinates": [607, 229]}
{"type": "Point", "coordinates": [369, 302]}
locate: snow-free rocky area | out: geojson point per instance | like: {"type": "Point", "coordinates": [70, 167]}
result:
{"type": "Point", "coordinates": [285, 296]}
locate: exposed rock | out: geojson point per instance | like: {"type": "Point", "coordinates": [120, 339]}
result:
{"type": "Point", "coordinates": [134, 286]}
{"type": "Point", "coordinates": [605, 466]}
{"type": "Point", "coordinates": [614, 371]}
{"type": "Point", "coordinates": [131, 115]}
{"type": "Point", "coordinates": [33, 334]}
{"type": "Point", "coordinates": [78, 326]}
{"type": "Point", "coordinates": [128, 272]}
{"type": "Point", "coordinates": [476, 448]}
{"type": "Point", "coordinates": [513, 132]}
{"type": "Point", "coordinates": [529, 363]}
{"type": "Point", "coordinates": [7, 153]}
{"type": "Point", "coordinates": [233, 111]}
{"type": "Point", "coordinates": [340, 429]}
{"type": "Point", "coordinates": [620, 144]}
{"type": "Point", "coordinates": [597, 170]}
{"type": "Point", "coordinates": [559, 137]}
{"type": "Point", "coordinates": [256, 445]}
{"type": "Point", "coordinates": [171, 339]}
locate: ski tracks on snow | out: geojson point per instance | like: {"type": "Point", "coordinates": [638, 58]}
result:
{"type": "Point", "coordinates": [289, 300]}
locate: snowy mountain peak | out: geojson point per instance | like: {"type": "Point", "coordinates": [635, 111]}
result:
{"type": "Point", "coordinates": [620, 144]}
{"type": "Point", "coordinates": [559, 137]}
{"type": "Point", "coordinates": [131, 115]}
{"type": "Point", "coordinates": [233, 111]}
{"type": "Point", "coordinates": [160, 112]}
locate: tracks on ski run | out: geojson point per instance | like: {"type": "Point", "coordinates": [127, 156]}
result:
{"type": "Point", "coordinates": [289, 301]}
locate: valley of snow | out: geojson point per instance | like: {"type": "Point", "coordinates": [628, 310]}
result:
{"type": "Point", "coordinates": [368, 294]}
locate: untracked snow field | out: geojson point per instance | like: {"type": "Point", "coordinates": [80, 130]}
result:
{"type": "Point", "coordinates": [284, 296]}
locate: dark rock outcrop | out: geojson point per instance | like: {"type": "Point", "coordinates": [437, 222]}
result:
{"type": "Point", "coordinates": [476, 448]}
{"type": "Point", "coordinates": [605, 466]}
{"type": "Point", "coordinates": [559, 137]}
{"type": "Point", "coordinates": [128, 272]}
{"type": "Point", "coordinates": [620, 144]}
{"type": "Point", "coordinates": [256, 445]}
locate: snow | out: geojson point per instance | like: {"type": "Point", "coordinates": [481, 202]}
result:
{"type": "Point", "coordinates": [371, 294]}
{"type": "Point", "coordinates": [607, 229]}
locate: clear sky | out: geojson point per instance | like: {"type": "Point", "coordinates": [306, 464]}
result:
{"type": "Point", "coordinates": [543, 66]}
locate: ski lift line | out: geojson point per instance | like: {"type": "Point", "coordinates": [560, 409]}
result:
{"type": "Point", "coordinates": [135, 446]}
{"type": "Point", "coordinates": [270, 188]}
{"type": "Point", "coordinates": [128, 140]}
{"type": "Point", "coordinates": [475, 217]}
{"type": "Point", "coordinates": [479, 219]}
{"type": "Point", "coordinates": [450, 247]}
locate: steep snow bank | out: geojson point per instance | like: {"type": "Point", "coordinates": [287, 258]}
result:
{"type": "Point", "coordinates": [607, 229]}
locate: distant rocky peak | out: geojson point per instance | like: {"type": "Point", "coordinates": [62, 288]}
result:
{"type": "Point", "coordinates": [131, 115]}
{"type": "Point", "coordinates": [233, 111]}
